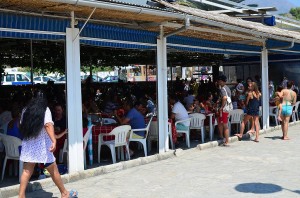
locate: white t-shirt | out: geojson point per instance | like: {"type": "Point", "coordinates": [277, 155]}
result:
{"type": "Point", "coordinates": [37, 150]}
{"type": "Point", "coordinates": [180, 113]}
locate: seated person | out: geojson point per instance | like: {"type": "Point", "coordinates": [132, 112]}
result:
{"type": "Point", "coordinates": [179, 113]}
{"type": "Point", "coordinates": [141, 107]}
{"type": "Point", "coordinates": [13, 128]}
{"type": "Point", "coordinates": [209, 104]}
{"type": "Point", "coordinates": [189, 99]}
{"type": "Point", "coordinates": [134, 118]}
{"type": "Point", "coordinates": [5, 117]}
{"type": "Point", "coordinates": [60, 124]}
{"type": "Point", "coordinates": [150, 104]}
{"type": "Point", "coordinates": [110, 104]}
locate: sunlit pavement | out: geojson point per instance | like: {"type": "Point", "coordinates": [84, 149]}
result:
{"type": "Point", "coordinates": [269, 168]}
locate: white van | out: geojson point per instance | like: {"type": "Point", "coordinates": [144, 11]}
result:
{"type": "Point", "coordinates": [15, 78]}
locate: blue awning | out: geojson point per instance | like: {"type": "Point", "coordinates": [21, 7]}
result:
{"type": "Point", "coordinates": [194, 44]}
{"type": "Point", "coordinates": [45, 28]}
{"type": "Point", "coordinates": [25, 22]}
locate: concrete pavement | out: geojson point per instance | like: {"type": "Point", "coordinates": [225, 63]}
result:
{"type": "Point", "coordinates": [245, 169]}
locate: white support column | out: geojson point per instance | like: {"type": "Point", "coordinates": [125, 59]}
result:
{"type": "Point", "coordinates": [74, 103]}
{"type": "Point", "coordinates": [265, 87]}
{"type": "Point", "coordinates": [162, 92]}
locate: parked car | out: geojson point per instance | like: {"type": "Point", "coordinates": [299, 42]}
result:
{"type": "Point", "coordinates": [95, 78]}
{"type": "Point", "coordinates": [15, 78]}
{"type": "Point", "coordinates": [43, 79]}
{"type": "Point", "coordinates": [111, 79]}
{"type": "Point", "coordinates": [61, 79]}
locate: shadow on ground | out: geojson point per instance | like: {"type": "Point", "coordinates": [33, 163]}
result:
{"type": "Point", "coordinates": [274, 137]}
{"type": "Point", "coordinates": [258, 188]}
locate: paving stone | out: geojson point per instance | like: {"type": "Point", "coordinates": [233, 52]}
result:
{"type": "Point", "coordinates": [245, 169]}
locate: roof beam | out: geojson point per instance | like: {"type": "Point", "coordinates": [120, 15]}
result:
{"type": "Point", "coordinates": [241, 5]}
{"type": "Point", "coordinates": [172, 15]}
{"type": "Point", "coordinates": [200, 29]}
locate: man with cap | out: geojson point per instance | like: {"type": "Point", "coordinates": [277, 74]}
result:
{"type": "Point", "coordinates": [225, 97]}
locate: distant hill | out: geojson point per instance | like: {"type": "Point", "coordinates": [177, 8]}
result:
{"type": "Point", "coordinates": [283, 6]}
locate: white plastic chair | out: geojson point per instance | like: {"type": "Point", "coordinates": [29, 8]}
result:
{"type": "Point", "coordinates": [295, 115]}
{"type": "Point", "coordinates": [153, 134]}
{"type": "Point", "coordinates": [235, 117]}
{"type": "Point", "coordinates": [11, 145]}
{"type": "Point", "coordinates": [197, 122]}
{"type": "Point", "coordinates": [85, 141]}
{"type": "Point", "coordinates": [273, 112]}
{"type": "Point", "coordinates": [170, 135]}
{"type": "Point", "coordinates": [121, 134]}
{"type": "Point", "coordinates": [64, 151]}
{"type": "Point", "coordinates": [108, 121]}
{"type": "Point", "coordinates": [186, 132]}
{"type": "Point", "coordinates": [143, 141]}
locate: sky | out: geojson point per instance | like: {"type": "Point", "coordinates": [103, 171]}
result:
{"type": "Point", "coordinates": [296, 2]}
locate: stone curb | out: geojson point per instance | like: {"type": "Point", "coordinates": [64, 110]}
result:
{"type": "Point", "coordinates": [72, 177]}
{"type": "Point", "coordinates": [246, 136]}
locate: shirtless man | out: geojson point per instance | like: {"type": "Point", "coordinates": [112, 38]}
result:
{"type": "Point", "coordinates": [289, 98]}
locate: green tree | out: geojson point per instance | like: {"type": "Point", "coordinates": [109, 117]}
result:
{"type": "Point", "coordinates": [295, 12]}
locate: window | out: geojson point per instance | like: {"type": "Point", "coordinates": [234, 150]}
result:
{"type": "Point", "coordinates": [10, 78]}
{"type": "Point", "coordinates": [46, 79]}
{"type": "Point", "coordinates": [37, 79]}
{"type": "Point", "coordinates": [21, 77]}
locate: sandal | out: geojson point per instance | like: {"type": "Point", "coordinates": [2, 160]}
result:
{"type": "Point", "coordinates": [73, 194]}
{"type": "Point", "coordinates": [256, 140]}
{"type": "Point", "coordinates": [225, 144]}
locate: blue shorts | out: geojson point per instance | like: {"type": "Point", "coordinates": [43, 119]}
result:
{"type": "Point", "coordinates": [181, 127]}
{"type": "Point", "coordinates": [286, 110]}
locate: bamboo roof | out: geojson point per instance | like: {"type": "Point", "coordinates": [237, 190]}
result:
{"type": "Point", "coordinates": [142, 20]}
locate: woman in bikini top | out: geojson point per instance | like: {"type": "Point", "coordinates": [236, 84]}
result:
{"type": "Point", "coordinates": [287, 101]}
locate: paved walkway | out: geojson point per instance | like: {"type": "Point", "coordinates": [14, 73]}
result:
{"type": "Point", "coordinates": [245, 169]}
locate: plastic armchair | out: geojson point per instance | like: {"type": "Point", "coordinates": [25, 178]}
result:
{"type": "Point", "coordinates": [197, 122]}
{"type": "Point", "coordinates": [85, 141]}
{"type": "Point", "coordinates": [121, 134]}
{"type": "Point", "coordinates": [11, 145]}
{"type": "Point", "coordinates": [295, 115]}
{"type": "Point", "coordinates": [153, 134]}
{"type": "Point", "coordinates": [64, 151]}
{"type": "Point", "coordinates": [235, 117]}
{"type": "Point", "coordinates": [143, 141]}
{"type": "Point", "coordinates": [186, 132]}
{"type": "Point", "coordinates": [170, 134]}
{"type": "Point", "coordinates": [273, 112]}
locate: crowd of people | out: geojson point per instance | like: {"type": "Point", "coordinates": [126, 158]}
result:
{"type": "Point", "coordinates": [129, 103]}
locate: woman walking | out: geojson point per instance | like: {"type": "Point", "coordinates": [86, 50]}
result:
{"type": "Point", "coordinates": [38, 144]}
{"type": "Point", "coordinates": [253, 103]}
{"type": "Point", "coordinates": [289, 98]}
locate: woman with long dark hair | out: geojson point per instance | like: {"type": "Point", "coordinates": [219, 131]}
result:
{"type": "Point", "coordinates": [38, 144]}
{"type": "Point", "coordinates": [252, 102]}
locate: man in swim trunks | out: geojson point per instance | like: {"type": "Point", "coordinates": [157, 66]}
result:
{"type": "Point", "coordinates": [289, 98]}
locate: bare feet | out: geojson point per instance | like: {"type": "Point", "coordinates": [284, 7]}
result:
{"type": "Point", "coordinates": [256, 140]}
{"type": "Point", "coordinates": [279, 118]}
{"type": "Point", "coordinates": [285, 138]}
{"type": "Point", "coordinates": [238, 135]}
{"type": "Point", "coordinates": [251, 131]}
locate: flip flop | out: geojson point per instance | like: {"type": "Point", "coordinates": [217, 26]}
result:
{"type": "Point", "coordinates": [73, 194]}
{"type": "Point", "coordinates": [225, 145]}
{"type": "Point", "coordinates": [256, 141]}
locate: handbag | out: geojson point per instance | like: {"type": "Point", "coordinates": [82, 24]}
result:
{"type": "Point", "coordinates": [228, 106]}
